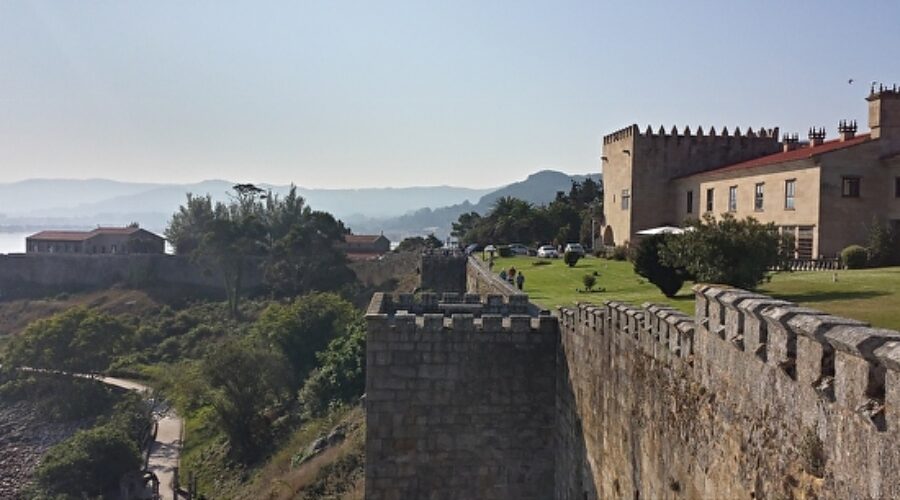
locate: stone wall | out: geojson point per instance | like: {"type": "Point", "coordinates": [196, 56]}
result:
{"type": "Point", "coordinates": [443, 271]}
{"type": "Point", "coordinates": [481, 280]}
{"type": "Point", "coordinates": [29, 274]}
{"type": "Point", "coordinates": [460, 398]}
{"type": "Point", "coordinates": [756, 398]}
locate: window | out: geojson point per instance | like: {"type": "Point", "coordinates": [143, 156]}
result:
{"type": "Point", "coordinates": [850, 187]}
{"type": "Point", "coordinates": [758, 197]}
{"type": "Point", "coordinates": [789, 189]}
{"type": "Point", "coordinates": [690, 202]}
{"type": "Point", "coordinates": [732, 199]}
{"type": "Point", "coordinates": [709, 199]}
{"type": "Point", "coordinates": [626, 199]}
{"type": "Point", "coordinates": [897, 187]}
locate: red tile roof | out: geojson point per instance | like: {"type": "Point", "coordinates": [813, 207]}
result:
{"type": "Point", "coordinates": [361, 238]}
{"type": "Point", "coordinates": [81, 235]}
{"type": "Point", "coordinates": [60, 235]}
{"type": "Point", "coordinates": [797, 154]}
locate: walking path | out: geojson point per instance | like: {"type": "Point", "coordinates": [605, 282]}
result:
{"type": "Point", "coordinates": [166, 449]}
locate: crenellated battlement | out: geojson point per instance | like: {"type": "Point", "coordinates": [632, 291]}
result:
{"type": "Point", "coordinates": [449, 304]}
{"type": "Point", "coordinates": [487, 397]}
{"type": "Point", "coordinates": [767, 133]}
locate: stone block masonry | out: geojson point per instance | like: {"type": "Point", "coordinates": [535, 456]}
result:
{"type": "Point", "coordinates": [482, 397]}
{"type": "Point", "coordinates": [751, 398]}
{"type": "Point", "coordinates": [459, 405]}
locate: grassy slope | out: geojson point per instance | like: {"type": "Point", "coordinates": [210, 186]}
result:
{"type": "Point", "coordinates": [871, 295]}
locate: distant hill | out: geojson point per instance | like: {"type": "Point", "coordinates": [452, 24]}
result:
{"type": "Point", "coordinates": [539, 188]}
{"type": "Point", "coordinates": [48, 203]}
{"type": "Point", "coordinates": [86, 203]}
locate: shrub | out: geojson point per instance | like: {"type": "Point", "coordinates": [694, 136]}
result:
{"type": "Point", "coordinates": [589, 281]}
{"type": "Point", "coordinates": [341, 375]}
{"type": "Point", "coordinates": [647, 264]}
{"type": "Point", "coordinates": [571, 258]}
{"type": "Point", "coordinates": [88, 464]}
{"type": "Point", "coordinates": [855, 257]}
{"type": "Point", "coordinates": [619, 252]}
{"type": "Point", "coordinates": [504, 251]}
{"type": "Point", "coordinates": [726, 251]}
{"type": "Point", "coordinates": [882, 245]}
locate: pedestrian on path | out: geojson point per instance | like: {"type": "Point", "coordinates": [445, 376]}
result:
{"type": "Point", "coordinates": [520, 280]}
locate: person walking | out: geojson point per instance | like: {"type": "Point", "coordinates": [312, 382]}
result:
{"type": "Point", "coordinates": [503, 274]}
{"type": "Point", "coordinates": [511, 275]}
{"type": "Point", "coordinates": [520, 280]}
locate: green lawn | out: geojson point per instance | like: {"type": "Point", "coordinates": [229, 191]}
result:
{"type": "Point", "coordinates": [871, 295]}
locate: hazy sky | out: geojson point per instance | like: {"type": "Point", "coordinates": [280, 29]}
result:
{"type": "Point", "coordinates": [377, 93]}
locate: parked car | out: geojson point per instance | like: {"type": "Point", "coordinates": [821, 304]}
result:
{"type": "Point", "coordinates": [518, 249]}
{"type": "Point", "coordinates": [575, 248]}
{"type": "Point", "coordinates": [547, 252]}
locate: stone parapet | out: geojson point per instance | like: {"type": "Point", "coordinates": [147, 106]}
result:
{"type": "Point", "coordinates": [450, 303]}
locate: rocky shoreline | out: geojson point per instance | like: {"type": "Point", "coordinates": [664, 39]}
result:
{"type": "Point", "coordinates": [24, 438]}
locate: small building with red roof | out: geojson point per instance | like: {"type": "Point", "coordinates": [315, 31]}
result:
{"type": "Point", "coordinates": [826, 193]}
{"type": "Point", "coordinates": [102, 240]}
{"type": "Point", "coordinates": [365, 246]}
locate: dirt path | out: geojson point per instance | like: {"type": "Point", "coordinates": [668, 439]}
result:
{"type": "Point", "coordinates": [166, 449]}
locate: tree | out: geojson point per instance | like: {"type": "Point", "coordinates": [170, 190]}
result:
{"type": "Point", "coordinates": [245, 380]}
{"type": "Point", "coordinates": [294, 244]}
{"type": "Point", "coordinates": [305, 259]}
{"type": "Point", "coordinates": [589, 280]}
{"type": "Point", "coordinates": [882, 245]}
{"type": "Point", "coordinates": [76, 340]}
{"type": "Point", "coordinates": [89, 464]}
{"type": "Point", "coordinates": [464, 227]}
{"type": "Point", "coordinates": [341, 375]}
{"type": "Point", "coordinates": [647, 264]}
{"type": "Point", "coordinates": [221, 236]}
{"type": "Point", "coordinates": [725, 251]}
{"type": "Point", "coordinates": [304, 327]}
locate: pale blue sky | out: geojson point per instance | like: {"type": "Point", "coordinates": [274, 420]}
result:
{"type": "Point", "coordinates": [378, 93]}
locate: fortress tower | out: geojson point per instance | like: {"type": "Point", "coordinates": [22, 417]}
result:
{"type": "Point", "coordinates": [637, 167]}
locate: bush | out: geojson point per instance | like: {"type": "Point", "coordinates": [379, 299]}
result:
{"type": "Point", "coordinates": [571, 258]}
{"type": "Point", "coordinates": [619, 252]}
{"type": "Point", "coordinates": [589, 281]}
{"type": "Point", "coordinates": [341, 376]}
{"type": "Point", "coordinates": [504, 251]}
{"type": "Point", "coordinates": [647, 264]}
{"type": "Point", "coordinates": [725, 251]}
{"type": "Point", "coordinates": [88, 464]}
{"type": "Point", "coordinates": [882, 245]}
{"type": "Point", "coordinates": [855, 257]}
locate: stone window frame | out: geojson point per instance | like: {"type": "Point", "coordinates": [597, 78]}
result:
{"type": "Point", "coordinates": [626, 199]}
{"type": "Point", "coordinates": [759, 193]}
{"type": "Point", "coordinates": [851, 186]}
{"type": "Point", "coordinates": [710, 197]}
{"type": "Point", "coordinates": [732, 198]}
{"type": "Point", "coordinates": [690, 201]}
{"type": "Point", "coordinates": [790, 194]}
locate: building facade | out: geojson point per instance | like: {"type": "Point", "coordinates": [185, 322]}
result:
{"type": "Point", "coordinates": [103, 240]}
{"type": "Point", "coordinates": [365, 246]}
{"type": "Point", "coordinates": [826, 193]}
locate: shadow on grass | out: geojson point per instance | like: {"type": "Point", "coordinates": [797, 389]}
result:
{"type": "Point", "coordinates": [827, 296]}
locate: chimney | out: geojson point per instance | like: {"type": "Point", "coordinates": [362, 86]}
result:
{"type": "Point", "coordinates": [884, 111]}
{"type": "Point", "coordinates": [816, 136]}
{"type": "Point", "coordinates": [847, 129]}
{"type": "Point", "coordinates": [790, 142]}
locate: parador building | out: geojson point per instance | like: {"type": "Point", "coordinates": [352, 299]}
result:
{"type": "Point", "coordinates": [824, 191]}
